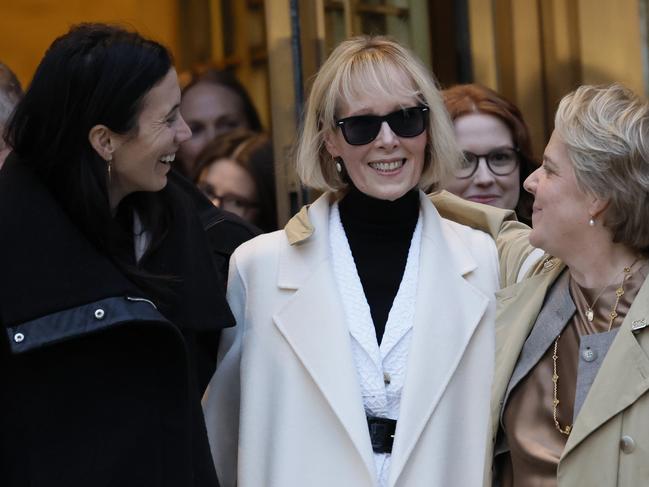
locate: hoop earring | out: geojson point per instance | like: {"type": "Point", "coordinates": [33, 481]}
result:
{"type": "Point", "coordinates": [339, 166]}
{"type": "Point", "coordinates": [591, 222]}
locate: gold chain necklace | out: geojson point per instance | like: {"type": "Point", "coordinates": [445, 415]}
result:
{"type": "Point", "coordinates": [619, 292]}
{"type": "Point", "coordinates": [555, 395]}
{"type": "Point", "coordinates": [590, 314]}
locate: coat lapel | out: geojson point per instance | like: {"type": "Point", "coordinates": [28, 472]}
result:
{"type": "Point", "coordinates": [623, 376]}
{"type": "Point", "coordinates": [554, 315]}
{"type": "Point", "coordinates": [439, 322]}
{"type": "Point", "coordinates": [611, 392]}
{"type": "Point", "coordinates": [313, 323]}
{"type": "Point", "coordinates": [516, 311]}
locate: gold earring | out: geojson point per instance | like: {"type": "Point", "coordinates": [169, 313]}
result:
{"type": "Point", "coordinates": [110, 165]}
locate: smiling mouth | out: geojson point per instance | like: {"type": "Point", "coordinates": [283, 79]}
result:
{"type": "Point", "coordinates": [168, 159]}
{"type": "Point", "coordinates": [387, 166]}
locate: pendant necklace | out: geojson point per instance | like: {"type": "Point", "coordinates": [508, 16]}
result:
{"type": "Point", "coordinates": [590, 313]}
{"type": "Point", "coordinates": [619, 292]}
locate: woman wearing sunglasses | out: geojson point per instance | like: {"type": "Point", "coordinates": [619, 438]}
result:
{"type": "Point", "coordinates": [364, 346]}
{"type": "Point", "coordinates": [497, 149]}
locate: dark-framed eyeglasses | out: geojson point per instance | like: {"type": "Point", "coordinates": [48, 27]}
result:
{"type": "Point", "coordinates": [500, 162]}
{"type": "Point", "coordinates": [363, 129]}
{"type": "Point", "coordinates": [229, 202]}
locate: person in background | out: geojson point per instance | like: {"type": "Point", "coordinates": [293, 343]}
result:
{"type": "Point", "coordinates": [213, 103]}
{"type": "Point", "coordinates": [352, 363]}
{"type": "Point", "coordinates": [497, 149]}
{"type": "Point", "coordinates": [10, 93]}
{"type": "Point", "coordinates": [109, 324]}
{"type": "Point", "coordinates": [236, 172]}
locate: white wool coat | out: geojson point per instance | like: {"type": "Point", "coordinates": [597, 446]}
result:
{"type": "Point", "coordinates": [284, 408]}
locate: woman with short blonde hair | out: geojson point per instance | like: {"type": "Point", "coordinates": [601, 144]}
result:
{"type": "Point", "coordinates": [606, 132]}
{"type": "Point", "coordinates": [353, 362]}
{"type": "Point", "coordinates": [571, 379]}
{"type": "Point", "coordinates": [370, 61]}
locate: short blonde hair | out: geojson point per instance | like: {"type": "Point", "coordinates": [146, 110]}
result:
{"type": "Point", "coordinates": [606, 132]}
{"type": "Point", "coordinates": [369, 63]}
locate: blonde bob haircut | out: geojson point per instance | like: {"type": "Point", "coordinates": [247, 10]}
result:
{"type": "Point", "coordinates": [606, 132]}
{"type": "Point", "coordinates": [383, 68]}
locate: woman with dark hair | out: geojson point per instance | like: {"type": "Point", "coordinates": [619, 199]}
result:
{"type": "Point", "coordinates": [235, 171]}
{"type": "Point", "coordinates": [490, 130]}
{"type": "Point", "coordinates": [109, 323]}
{"type": "Point", "coordinates": [213, 103]}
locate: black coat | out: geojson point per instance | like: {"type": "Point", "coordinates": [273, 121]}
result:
{"type": "Point", "coordinates": [98, 387]}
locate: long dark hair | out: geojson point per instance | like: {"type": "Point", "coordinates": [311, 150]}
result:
{"type": "Point", "coordinates": [94, 74]}
{"type": "Point", "coordinates": [473, 98]}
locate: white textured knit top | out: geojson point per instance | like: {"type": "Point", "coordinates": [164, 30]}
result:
{"type": "Point", "coordinates": [381, 369]}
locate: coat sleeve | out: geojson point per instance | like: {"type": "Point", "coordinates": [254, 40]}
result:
{"type": "Point", "coordinates": [517, 257]}
{"type": "Point", "coordinates": [222, 399]}
{"type": "Point", "coordinates": [515, 253]}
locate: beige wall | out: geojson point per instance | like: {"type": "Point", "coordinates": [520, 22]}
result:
{"type": "Point", "coordinates": [28, 27]}
{"type": "Point", "coordinates": [611, 42]}
{"type": "Point", "coordinates": [535, 52]}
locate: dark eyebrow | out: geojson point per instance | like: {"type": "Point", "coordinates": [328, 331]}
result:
{"type": "Point", "coordinates": [173, 109]}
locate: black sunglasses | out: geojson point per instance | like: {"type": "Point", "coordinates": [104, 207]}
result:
{"type": "Point", "coordinates": [363, 129]}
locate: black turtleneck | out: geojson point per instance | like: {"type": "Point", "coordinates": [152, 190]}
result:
{"type": "Point", "coordinates": [379, 234]}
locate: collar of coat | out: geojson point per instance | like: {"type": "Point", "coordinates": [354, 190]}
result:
{"type": "Point", "coordinates": [48, 266]}
{"type": "Point", "coordinates": [482, 217]}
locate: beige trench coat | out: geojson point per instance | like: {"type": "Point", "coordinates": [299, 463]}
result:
{"type": "Point", "coordinates": [609, 443]}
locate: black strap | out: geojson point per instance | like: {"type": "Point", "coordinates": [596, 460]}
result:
{"type": "Point", "coordinates": [381, 433]}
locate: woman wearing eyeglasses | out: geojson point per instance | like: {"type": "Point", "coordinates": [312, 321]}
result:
{"type": "Point", "coordinates": [236, 172]}
{"type": "Point", "coordinates": [364, 347]}
{"type": "Point", "coordinates": [497, 149]}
